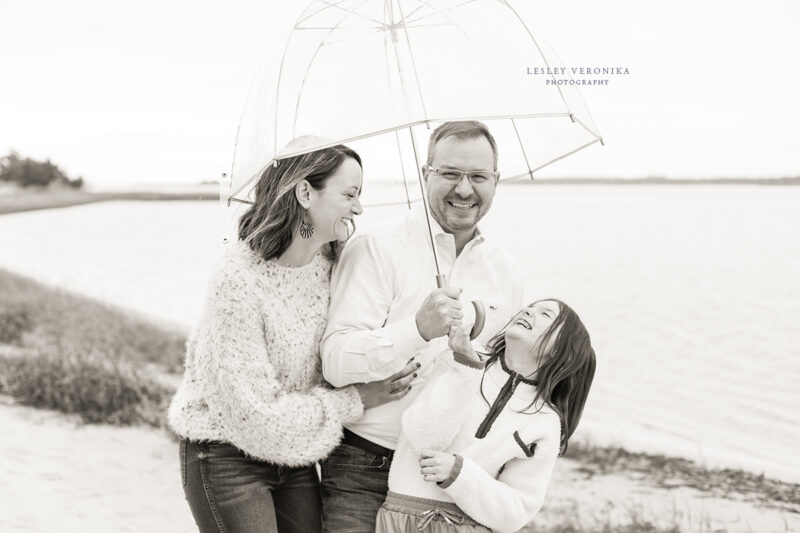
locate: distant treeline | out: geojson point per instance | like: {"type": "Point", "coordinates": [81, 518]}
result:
{"type": "Point", "coordinates": [28, 172]}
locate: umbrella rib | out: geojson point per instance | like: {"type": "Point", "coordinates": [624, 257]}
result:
{"type": "Point", "coordinates": [275, 130]}
{"type": "Point", "coordinates": [439, 11]}
{"type": "Point", "coordinates": [522, 147]}
{"type": "Point", "coordinates": [547, 63]}
{"type": "Point", "coordinates": [326, 5]}
{"type": "Point", "coordinates": [402, 168]}
{"type": "Point", "coordinates": [396, 134]}
{"type": "Point", "coordinates": [413, 11]}
{"type": "Point", "coordinates": [248, 182]}
{"type": "Point", "coordinates": [277, 98]}
{"type": "Point", "coordinates": [360, 28]}
{"type": "Point", "coordinates": [390, 204]}
{"type": "Point", "coordinates": [478, 51]}
{"type": "Point", "coordinates": [352, 11]}
{"type": "Point", "coordinates": [595, 133]}
{"type": "Point", "coordinates": [425, 204]}
{"type": "Point", "coordinates": [389, 42]}
{"type": "Point", "coordinates": [512, 178]}
{"type": "Point", "coordinates": [428, 25]}
{"type": "Point", "coordinates": [231, 199]}
{"type": "Point", "coordinates": [413, 66]}
{"type": "Point", "coordinates": [344, 39]}
{"type": "Point", "coordinates": [305, 76]}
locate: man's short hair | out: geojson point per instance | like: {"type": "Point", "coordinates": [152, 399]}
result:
{"type": "Point", "coordinates": [462, 129]}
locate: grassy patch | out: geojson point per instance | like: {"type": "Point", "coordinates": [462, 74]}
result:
{"type": "Point", "coordinates": [35, 316]}
{"type": "Point", "coordinates": [77, 355]}
{"type": "Point", "coordinates": [668, 472]}
{"type": "Point", "coordinates": [636, 526]}
{"type": "Point", "coordinates": [572, 520]}
{"type": "Point", "coordinates": [99, 390]}
{"type": "Point", "coordinates": [15, 321]}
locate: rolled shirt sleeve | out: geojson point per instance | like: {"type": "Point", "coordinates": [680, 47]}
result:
{"type": "Point", "coordinates": [358, 346]}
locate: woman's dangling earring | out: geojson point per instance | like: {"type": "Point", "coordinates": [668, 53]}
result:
{"type": "Point", "coordinates": [306, 228]}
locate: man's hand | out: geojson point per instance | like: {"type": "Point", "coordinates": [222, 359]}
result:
{"type": "Point", "coordinates": [459, 342]}
{"type": "Point", "coordinates": [440, 310]}
{"type": "Point", "coordinates": [435, 466]}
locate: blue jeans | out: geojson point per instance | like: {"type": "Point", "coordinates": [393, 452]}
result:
{"type": "Point", "coordinates": [229, 492]}
{"type": "Point", "coordinates": [354, 486]}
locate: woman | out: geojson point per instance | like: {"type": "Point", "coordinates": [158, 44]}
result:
{"type": "Point", "coordinates": [478, 446]}
{"type": "Point", "coordinates": [253, 412]}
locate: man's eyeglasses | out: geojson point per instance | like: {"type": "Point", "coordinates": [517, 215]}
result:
{"type": "Point", "coordinates": [474, 176]}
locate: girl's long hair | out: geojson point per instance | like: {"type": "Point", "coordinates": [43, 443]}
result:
{"type": "Point", "coordinates": [565, 371]}
{"type": "Point", "coordinates": [270, 224]}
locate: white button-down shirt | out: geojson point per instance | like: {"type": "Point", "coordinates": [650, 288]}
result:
{"type": "Point", "coordinates": [377, 287]}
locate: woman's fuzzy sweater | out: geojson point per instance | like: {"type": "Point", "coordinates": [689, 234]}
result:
{"type": "Point", "coordinates": [253, 375]}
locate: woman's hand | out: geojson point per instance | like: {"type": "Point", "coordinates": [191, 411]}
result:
{"type": "Point", "coordinates": [435, 466]}
{"type": "Point", "coordinates": [458, 340]}
{"type": "Point", "coordinates": [393, 388]}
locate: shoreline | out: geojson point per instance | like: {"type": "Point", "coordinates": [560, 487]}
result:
{"type": "Point", "coordinates": [669, 472]}
{"type": "Point", "coordinates": [20, 201]}
{"type": "Point", "coordinates": [25, 201]}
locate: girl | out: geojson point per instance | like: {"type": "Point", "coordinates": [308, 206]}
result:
{"type": "Point", "coordinates": [478, 446]}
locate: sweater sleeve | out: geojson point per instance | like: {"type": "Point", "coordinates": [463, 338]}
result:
{"type": "Point", "coordinates": [254, 408]}
{"type": "Point", "coordinates": [434, 419]}
{"type": "Point", "coordinates": [509, 502]}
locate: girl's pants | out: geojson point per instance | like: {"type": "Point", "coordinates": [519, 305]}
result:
{"type": "Point", "coordinates": [408, 514]}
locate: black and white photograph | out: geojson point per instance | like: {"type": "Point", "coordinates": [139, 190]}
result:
{"type": "Point", "coordinates": [399, 266]}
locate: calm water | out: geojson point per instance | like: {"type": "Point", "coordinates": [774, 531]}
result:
{"type": "Point", "coordinates": [691, 294]}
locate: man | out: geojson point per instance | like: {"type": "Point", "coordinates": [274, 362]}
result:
{"type": "Point", "coordinates": [386, 309]}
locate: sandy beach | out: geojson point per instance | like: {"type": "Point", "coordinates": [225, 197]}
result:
{"type": "Point", "coordinates": [60, 475]}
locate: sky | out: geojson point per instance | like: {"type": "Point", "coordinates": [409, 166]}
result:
{"type": "Point", "coordinates": [130, 94]}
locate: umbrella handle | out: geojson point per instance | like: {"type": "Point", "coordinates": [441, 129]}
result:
{"type": "Point", "coordinates": [480, 319]}
{"type": "Point", "coordinates": [480, 309]}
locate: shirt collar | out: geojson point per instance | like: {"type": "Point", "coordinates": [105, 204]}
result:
{"type": "Point", "coordinates": [418, 212]}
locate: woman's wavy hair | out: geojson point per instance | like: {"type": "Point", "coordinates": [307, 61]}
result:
{"type": "Point", "coordinates": [270, 224]}
{"type": "Point", "coordinates": [566, 370]}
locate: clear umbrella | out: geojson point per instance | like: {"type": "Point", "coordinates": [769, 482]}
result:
{"type": "Point", "coordinates": [380, 74]}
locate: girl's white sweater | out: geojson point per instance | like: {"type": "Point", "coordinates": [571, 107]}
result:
{"type": "Point", "coordinates": [253, 376]}
{"type": "Point", "coordinates": [505, 450]}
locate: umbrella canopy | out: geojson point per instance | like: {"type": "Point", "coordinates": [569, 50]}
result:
{"type": "Point", "coordinates": [372, 69]}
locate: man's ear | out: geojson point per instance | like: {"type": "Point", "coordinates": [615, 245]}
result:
{"type": "Point", "coordinates": [302, 191]}
{"type": "Point", "coordinates": [425, 174]}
